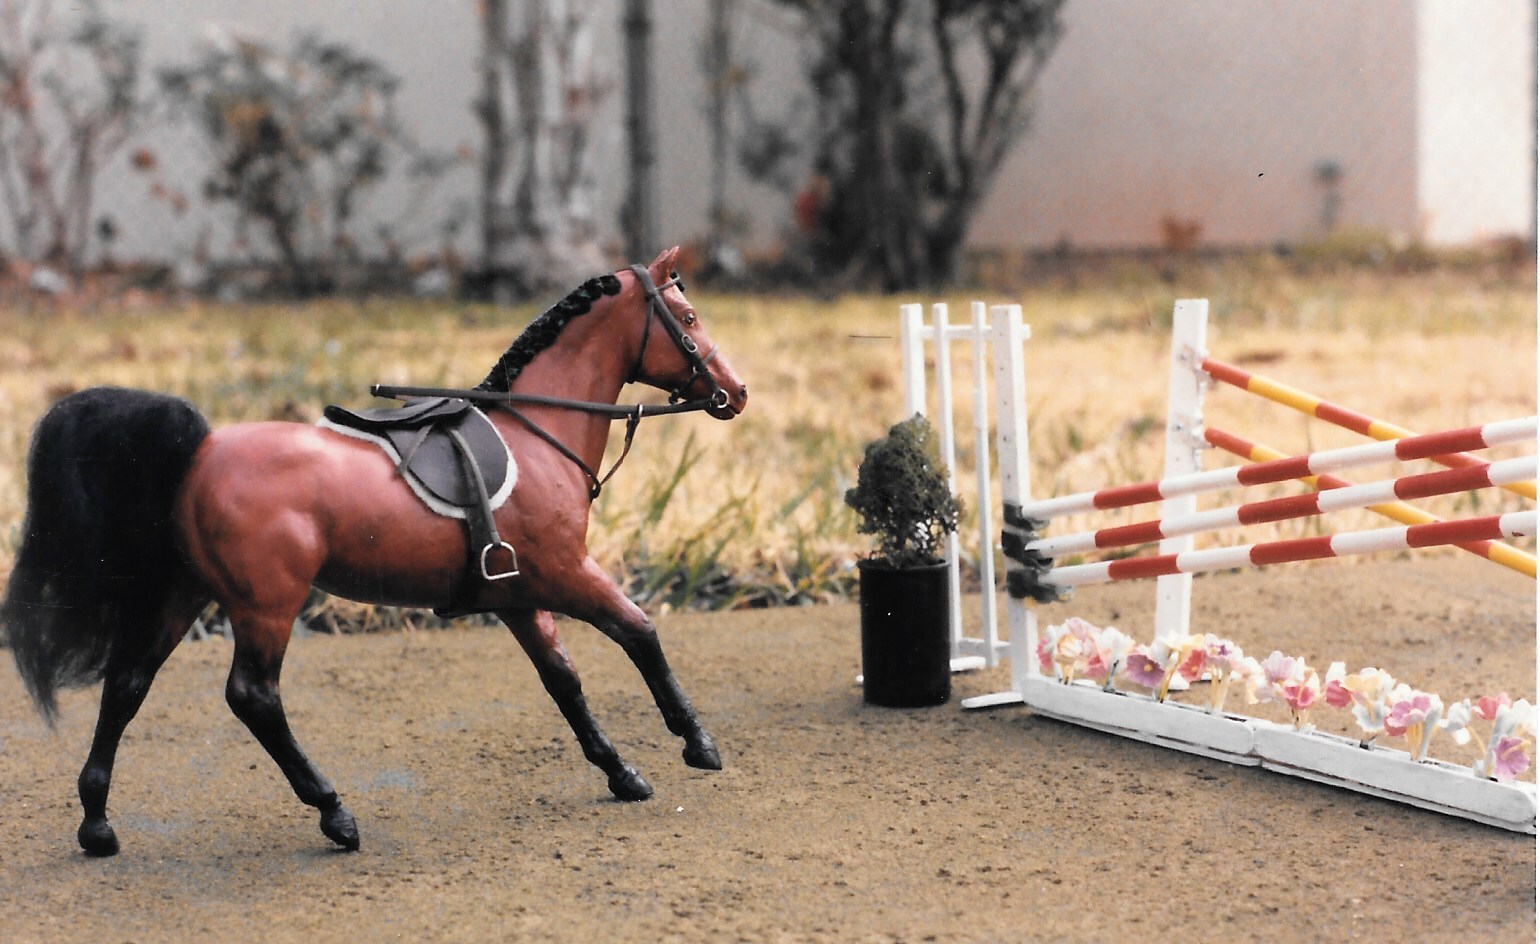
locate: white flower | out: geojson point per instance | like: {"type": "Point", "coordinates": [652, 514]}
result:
{"type": "Point", "coordinates": [1516, 720]}
{"type": "Point", "coordinates": [1456, 721]}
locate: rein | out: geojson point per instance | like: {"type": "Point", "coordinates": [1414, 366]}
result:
{"type": "Point", "coordinates": [632, 414]}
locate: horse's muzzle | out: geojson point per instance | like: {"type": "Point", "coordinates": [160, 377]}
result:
{"type": "Point", "coordinates": [733, 402]}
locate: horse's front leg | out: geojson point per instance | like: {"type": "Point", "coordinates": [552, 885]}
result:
{"type": "Point", "coordinates": [536, 632]}
{"type": "Point", "coordinates": [600, 602]}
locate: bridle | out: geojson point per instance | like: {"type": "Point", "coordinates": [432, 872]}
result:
{"type": "Point", "coordinates": [656, 306]}
{"type": "Point", "coordinates": [655, 309]}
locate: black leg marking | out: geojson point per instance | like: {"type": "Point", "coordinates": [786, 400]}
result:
{"type": "Point", "coordinates": [536, 632]}
{"type": "Point", "coordinates": [252, 692]}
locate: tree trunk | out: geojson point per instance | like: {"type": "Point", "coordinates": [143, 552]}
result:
{"type": "Point", "coordinates": [489, 111]}
{"type": "Point", "coordinates": [641, 212]}
{"type": "Point", "coordinates": [538, 99]}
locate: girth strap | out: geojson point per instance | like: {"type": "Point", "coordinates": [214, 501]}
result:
{"type": "Point", "coordinates": [479, 519]}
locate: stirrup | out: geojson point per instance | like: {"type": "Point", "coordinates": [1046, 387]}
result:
{"type": "Point", "coordinates": [487, 575]}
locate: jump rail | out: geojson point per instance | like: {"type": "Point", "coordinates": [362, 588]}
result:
{"type": "Point", "coordinates": [1282, 470]}
{"type": "Point", "coordinates": [1497, 552]}
{"type": "Point", "coordinates": [1380, 771]}
{"type": "Point", "coordinates": [1311, 405]}
{"type": "Point", "coordinates": [1491, 527]}
{"type": "Point", "coordinates": [1293, 506]}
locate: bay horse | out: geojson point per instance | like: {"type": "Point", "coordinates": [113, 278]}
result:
{"type": "Point", "coordinates": [139, 515]}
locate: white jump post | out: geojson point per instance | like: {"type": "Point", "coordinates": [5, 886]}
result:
{"type": "Point", "coordinates": [1184, 442]}
{"type": "Point", "coordinates": [1005, 335]}
{"type": "Point", "coordinates": [1382, 771]}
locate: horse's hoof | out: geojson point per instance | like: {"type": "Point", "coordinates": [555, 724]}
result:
{"type": "Point", "coordinates": [338, 825]}
{"type": "Point", "coordinates": [97, 838]}
{"type": "Point", "coordinates": [702, 753]}
{"type": "Point", "coordinates": [628, 785]}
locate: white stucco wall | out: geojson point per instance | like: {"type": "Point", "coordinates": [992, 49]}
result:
{"type": "Point", "coordinates": [1215, 113]}
{"type": "Point", "coordinates": [1205, 110]}
{"type": "Point", "coordinates": [1475, 119]}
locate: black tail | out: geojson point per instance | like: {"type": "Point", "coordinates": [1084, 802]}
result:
{"type": "Point", "coordinates": [98, 553]}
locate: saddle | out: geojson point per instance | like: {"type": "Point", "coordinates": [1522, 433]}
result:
{"type": "Point", "coordinates": [454, 459]}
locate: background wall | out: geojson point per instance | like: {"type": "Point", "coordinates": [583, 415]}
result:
{"type": "Point", "coordinates": [1203, 112]}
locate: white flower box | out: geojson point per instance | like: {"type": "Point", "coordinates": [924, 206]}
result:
{"type": "Point", "coordinates": [1390, 773]}
{"type": "Point", "coordinates": [1181, 727]}
{"type": "Point", "coordinates": [1312, 755]}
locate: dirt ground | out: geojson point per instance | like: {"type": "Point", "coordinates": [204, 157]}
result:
{"type": "Point", "coordinates": [832, 821]}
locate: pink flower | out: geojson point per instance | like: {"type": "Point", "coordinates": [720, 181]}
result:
{"type": "Point", "coordinates": [1511, 757]}
{"type": "Point", "coordinates": [1336, 693]}
{"type": "Point", "coordinates": [1045, 655]}
{"type": "Point", "coordinates": [1142, 670]}
{"type": "Point", "coordinates": [1407, 712]}
{"type": "Point", "coordinates": [1415, 716]}
{"type": "Point", "coordinates": [1487, 706]}
{"type": "Point", "coordinates": [1191, 668]}
{"type": "Point", "coordinates": [1220, 657]}
{"type": "Point", "coordinates": [1299, 695]}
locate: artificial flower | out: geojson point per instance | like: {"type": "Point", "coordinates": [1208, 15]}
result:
{"type": "Point", "coordinates": [1370, 689]}
{"type": "Point", "coordinates": [1508, 748]}
{"type": "Point", "coordinates": [1300, 694]}
{"type": "Point", "coordinates": [1112, 647]}
{"type": "Point", "coordinates": [1045, 656]}
{"type": "Point", "coordinates": [1510, 757]}
{"type": "Point", "coordinates": [1487, 706]}
{"type": "Point", "coordinates": [1413, 715]}
{"type": "Point", "coordinates": [1142, 670]}
{"type": "Point", "coordinates": [1224, 662]}
{"type": "Point", "coordinates": [1456, 721]}
{"type": "Point", "coordinates": [1181, 657]}
{"type": "Point", "coordinates": [1336, 692]}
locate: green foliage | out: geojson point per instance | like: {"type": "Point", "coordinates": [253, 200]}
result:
{"type": "Point", "coordinates": [902, 496]}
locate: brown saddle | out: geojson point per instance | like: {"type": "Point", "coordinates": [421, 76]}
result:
{"type": "Point", "coordinates": [448, 447]}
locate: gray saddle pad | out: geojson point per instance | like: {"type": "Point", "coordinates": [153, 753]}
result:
{"type": "Point", "coordinates": [419, 433]}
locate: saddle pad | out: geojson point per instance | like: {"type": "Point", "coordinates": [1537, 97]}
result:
{"type": "Point", "coordinates": [434, 472]}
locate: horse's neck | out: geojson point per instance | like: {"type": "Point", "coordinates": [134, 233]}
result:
{"type": "Point", "coordinates": [580, 366]}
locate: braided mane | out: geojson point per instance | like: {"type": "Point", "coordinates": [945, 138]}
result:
{"type": "Point", "coordinates": [544, 330]}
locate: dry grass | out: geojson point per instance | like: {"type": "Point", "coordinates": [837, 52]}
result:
{"type": "Point", "coordinates": [756, 512]}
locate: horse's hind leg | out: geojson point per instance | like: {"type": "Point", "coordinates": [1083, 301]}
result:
{"type": "Point", "coordinates": [536, 632]}
{"type": "Point", "coordinates": [252, 691]}
{"type": "Point", "coordinates": [125, 684]}
{"type": "Point", "coordinates": [601, 603]}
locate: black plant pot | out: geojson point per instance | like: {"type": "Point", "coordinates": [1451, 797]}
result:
{"type": "Point", "coordinates": [906, 640]}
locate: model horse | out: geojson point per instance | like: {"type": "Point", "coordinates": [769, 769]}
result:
{"type": "Point", "coordinates": [139, 515]}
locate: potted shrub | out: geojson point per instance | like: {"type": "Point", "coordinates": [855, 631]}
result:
{"type": "Point", "coordinates": [902, 497]}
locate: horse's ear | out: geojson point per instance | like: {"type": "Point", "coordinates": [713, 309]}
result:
{"type": "Point", "coordinates": [662, 266]}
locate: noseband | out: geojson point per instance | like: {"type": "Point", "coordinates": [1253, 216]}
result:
{"type": "Point", "coordinates": [716, 397]}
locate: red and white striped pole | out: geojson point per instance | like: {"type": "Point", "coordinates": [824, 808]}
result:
{"type": "Point", "coordinates": [1493, 527]}
{"type": "Point", "coordinates": [1312, 405]}
{"type": "Point", "coordinates": [1281, 470]}
{"type": "Point", "coordinates": [1293, 506]}
{"type": "Point", "coordinates": [1497, 552]}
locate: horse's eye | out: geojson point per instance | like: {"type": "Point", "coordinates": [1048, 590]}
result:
{"type": "Point", "coordinates": [689, 318]}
